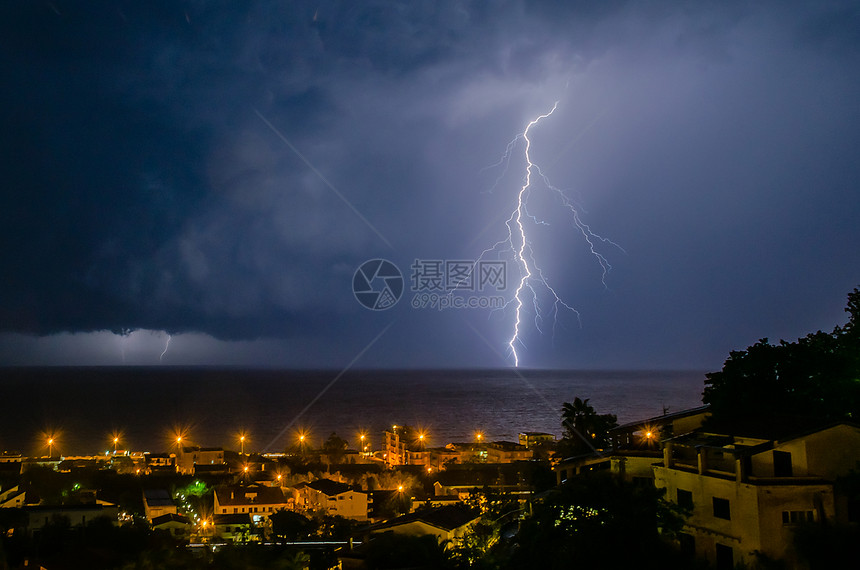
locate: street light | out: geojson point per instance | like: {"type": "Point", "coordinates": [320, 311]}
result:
{"type": "Point", "coordinates": [50, 447]}
{"type": "Point", "coordinates": [479, 436]}
{"type": "Point", "coordinates": [242, 437]}
{"type": "Point", "coordinates": [303, 436]}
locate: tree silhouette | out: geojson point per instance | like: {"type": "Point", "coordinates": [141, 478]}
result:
{"type": "Point", "coordinates": [813, 380]}
{"type": "Point", "coordinates": [584, 429]}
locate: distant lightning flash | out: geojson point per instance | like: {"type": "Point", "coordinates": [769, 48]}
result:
{"type": "Point", "coordinates": [166, 346]}
{"type": "Point", "coordinates": [518, 243]}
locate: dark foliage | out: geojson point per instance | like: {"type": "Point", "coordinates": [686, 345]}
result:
{"type": "Point", "coordinates": [390, 550]}
{"type": "Point", "coordinates": [291, 526]}
{"type": "Point", "coordinates": [598, 520]}
{"type": "Point", "coordinates": [584, 429]}
{"type": "Point", "coordinates": [813, 380]}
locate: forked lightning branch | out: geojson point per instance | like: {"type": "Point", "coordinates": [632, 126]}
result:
{"type": "Point", "coordinates": [532, 284]}
{"type": "Point", "coordinates": [443, 284]}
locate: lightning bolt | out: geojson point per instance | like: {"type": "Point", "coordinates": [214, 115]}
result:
{"type": "Point", "coordinates": [520, 246]}
{"type": "Point", "coordinates": [166, 346]}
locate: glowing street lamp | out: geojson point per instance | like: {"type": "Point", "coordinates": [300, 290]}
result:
{"type": "Point", "coordinates": [479, 437]}
{"type": "Point", "coordinates": [303, 437]}
{"type": "Point", "coordinates": [115, 442]}
{"type": "Point", "coordinates": [50, 447]}
{"type": "Point", "coordinates": [242, 438]}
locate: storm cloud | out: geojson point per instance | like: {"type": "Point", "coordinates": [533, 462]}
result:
{"type": "Point", "coordinates": [220, 171]}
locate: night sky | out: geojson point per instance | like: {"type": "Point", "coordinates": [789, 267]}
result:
{"type": "Point", "coordinates": [217, 171]}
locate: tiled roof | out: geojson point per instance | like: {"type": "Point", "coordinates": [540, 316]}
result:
{"type": "Point", "coordinates": [170, 517]}
{"type": "Point", "coordinates": [157, 498]}
{"type": "Point", "coordinates": [447, 518]}
{"type": "Point", "coordinates": [250, 495]}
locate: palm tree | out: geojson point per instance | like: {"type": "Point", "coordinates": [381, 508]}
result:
{"type": "Point", "coordinates": [584, 428]}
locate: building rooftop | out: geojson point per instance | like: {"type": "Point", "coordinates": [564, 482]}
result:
{"type": "Point", "coordinates": [329, 487]}
{"type": "Point", "coordinates": [448, 518]}
{"type": "Point", "coordinates": [170, 517]}
{"type": "Point", "coordinates": [657, 420]}
{"type": "Point", "coordinates": [157, 498]}
{"type": "Point", "coordinates": [250, 495]}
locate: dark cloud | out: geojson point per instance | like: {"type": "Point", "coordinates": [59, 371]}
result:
{"type": "Point", "coordinates": [142, 190]}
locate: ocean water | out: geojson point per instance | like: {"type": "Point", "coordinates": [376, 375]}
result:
{"type": "Point", "coordinates": [83, 407]}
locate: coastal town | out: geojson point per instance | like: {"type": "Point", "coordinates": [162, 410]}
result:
{"type": "Point", "coordinates": [764, 474]}
{"type": "Point", "coordinates": [742, 494]}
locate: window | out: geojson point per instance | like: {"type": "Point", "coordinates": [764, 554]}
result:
{"type": "Point", "coordinates": [722, 509]}
{"type": "Point", "coordinates": [643, 481]}
{"type": "Point", "coordinates": [235, 510]}
{"type": "Point", "coordinates": [685, 499]}
{"type": "Point", "coordinates": [688, 544]}
{"type": "Point", "coordinates": [794, 517]}
{"type": "Point", "coordinates": [724, 557]}
{"type": "Point", "coordinates": [781, 464]}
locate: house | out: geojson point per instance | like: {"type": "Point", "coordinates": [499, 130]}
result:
{"type": "Point", "coordinates": [233, 527]}
{"type": "Point", "coordinates": [12, 498]}
{"type": "Point", "coordinates": [405, 446]}
{"type": "Point", "coordinates": [461, 481]}
{"type": "Point", "coordinates": [748, 494]}
{"type": "Point", "coordinates": [10, 457]}
{"type": "Point", "coordinates": [533, 438]}
{"type": "Point", "coordinates": [643, 433]}
{"type": "Point", "coordinates": [177, 526]}
{"type": "Point", "coordinates": [159, 463]}
{"type": "Point", "coordinates": [472, 452]}
{"type": "Point", "coordinates": [445, 523]}
{"type": "Point", "coordinates": [335, 498]}
{"type": "Point", "coordinates": [635, 447]}
{"type": "Point", "coordinates": [258, 501]}
{"type": "Point", "coordinates": [189, 458]}
{"type": "Point", "coordinates": [157, 502]}
{"type": "Point", "coordinates": [507, 452]}
{"type": "Point", "coordinates": [78, 515]}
